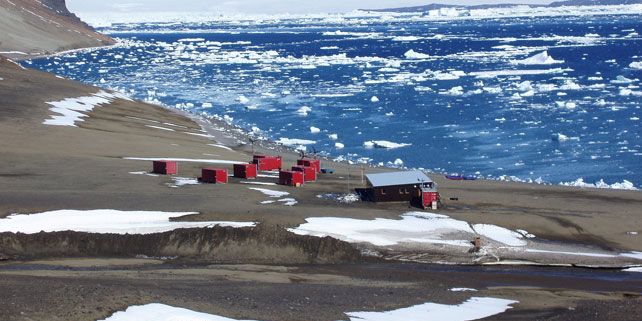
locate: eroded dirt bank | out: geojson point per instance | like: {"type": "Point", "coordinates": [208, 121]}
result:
{"type": "Point", "coordinates": [258, 245]}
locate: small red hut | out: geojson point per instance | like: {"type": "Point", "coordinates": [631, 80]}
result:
{"type": "Point", "coordinates": [247, 171]}
{"type": "Point", "coordinates": [268, 163]}
{"type": "Point", "coordinates": [165, 167]}
{"type": "Point", "coordinates": [290, 178]}
{"type": "Point", "coordinates": [309, 162]}
{"type": "Point", "coordinates": [309, 173]}
{"type": "Point", "coordinates": [214, 176]}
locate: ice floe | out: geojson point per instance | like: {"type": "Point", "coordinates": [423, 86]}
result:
{"type": "Point", "coordinates": [624, 185]}
{"type": "Point", "coordinates": [384, 144]}
{"type": "Point", "coordinates": [105, 221]}
{"type": "Point", "coordinates": [636, 65]}
{"type": "Point", "coordinates": [539, 59]}
{"type": "Point", "coordinates": [72, 110]}
{"type": "Point", "coordinates": [411, 54]}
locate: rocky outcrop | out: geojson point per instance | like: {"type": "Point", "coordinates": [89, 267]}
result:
{"type": "Point", "coordinates": [38, 27]}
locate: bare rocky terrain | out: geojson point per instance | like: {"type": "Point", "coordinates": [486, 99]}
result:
{"type": "Point", "coordinates": [40, 27]}
{"type": "Point", "coordinates": [262, 272]}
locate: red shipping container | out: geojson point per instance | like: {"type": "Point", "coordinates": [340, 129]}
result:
{"type": "Point", "coordinates": [247, 171]}
{"type": "Point", "coordinates": [310, 163]}
{"type": "Point", "coordinates": [165, 167]}
{"type": "Point", "coordinates": [290, 178]}
{"type": "Point", "coordinates": [268, 163]}
{"type": "Point", "coordinates": [214, 176]}
{"type": "Point", "coordinates": [309, 173]}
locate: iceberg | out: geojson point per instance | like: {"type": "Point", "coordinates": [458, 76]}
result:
{"type": "Point", "coordinates": [539, 59]}
{"type": "Point", "coordinates": [411, 54]}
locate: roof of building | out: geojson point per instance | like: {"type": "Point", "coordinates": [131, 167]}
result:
{"type": "Point", "coordinates": [398, 178]}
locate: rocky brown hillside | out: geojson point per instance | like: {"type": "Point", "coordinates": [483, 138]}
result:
{"type": "Point", "coordinates": [39, 27]}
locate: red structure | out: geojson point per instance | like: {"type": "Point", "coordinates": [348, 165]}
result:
{"type": "Point", "coordinates": [428, 196]}
{"type": "Point", "coordinates": [290, 178]}
{"type": "Point", "coordinates": [268, 163]}
{"type": "Point", "coordinates": [309, 173]}
{"type": "Point", "coordinates": [165, 167]}
{"type": "Point", "coordinates": [247, 171]}
{"type": "Point", "coordinates": [214, 176]}
{"type": "Point", "coordinates": [315, 163]}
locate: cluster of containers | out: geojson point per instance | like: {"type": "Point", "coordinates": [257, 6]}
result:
{"type": "Point", "coordinates": [306, 170]}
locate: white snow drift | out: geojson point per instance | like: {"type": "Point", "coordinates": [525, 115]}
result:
{"type": "Point", "coordinates": [72, 110]}
{"type": "Point", "coordinates": [472, 309]}
{"type": "Point", "coordinates": [104, 222]}
{"type": "Point", "coordinates": [414, 227]}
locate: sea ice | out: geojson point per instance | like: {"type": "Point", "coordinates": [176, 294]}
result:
{"type": "Point", "coordinates": [384, 144]}
{"type": "Point", "coordinates": [294, 141]}
{"type": "Point", "coordinates": [636, 65]}
{"type": "Point", "coordinates": [411, 54]}
{"type": "Point", "coordinates": [314, 130]}
{"type": "Point", "coordinates": [539, 59]}
{"type": "Point", "coordinates": [104, 221]}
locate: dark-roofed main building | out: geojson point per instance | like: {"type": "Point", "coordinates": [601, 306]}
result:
{"type": "Point", "coordinates": [407, 186]}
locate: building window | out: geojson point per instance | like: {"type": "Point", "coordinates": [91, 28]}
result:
{"type": "Point", "coordinates": [400, 191]}
{"type": "Point", "coordinates": [383, 192]}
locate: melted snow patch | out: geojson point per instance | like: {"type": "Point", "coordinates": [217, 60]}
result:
{"type": "Point", "coordinates": [633, 269]}
{"type": "Point", "coordinates": [161, 312]}
{"type": "Point", "coordinates": [414, 227]}
{"type": "Point", "coordinates": [104, 221]}
{"type": "Point", "coordinates": [182, 181]}
{"type": "Point", "coordinates": [72, 110]}
{"type": "Point", "coordinates": [270, 193]}
{"type": "Point", "coordinates": [473, 309]}
{"type": "Point", "coordinates": [463, 290]}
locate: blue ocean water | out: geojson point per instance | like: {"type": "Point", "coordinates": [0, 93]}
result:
{"type": "Point", "coordinates": [550, 99]}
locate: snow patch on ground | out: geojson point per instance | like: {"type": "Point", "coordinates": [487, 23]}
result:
{"type": "Point", "coordinates": [463, 290]}
{"type": "Point", "coordinates": [104, 221]}
{"type": "Point", "coordinates": [472, 309]}
{"type": "Point", "coordinates": [72, 110]}
{"type": "Point", "coordinates": [269, 192]}
{"type": "Point", "coordinates": [414, 227]}
{"type": "Point", "coordinates": [182, 181]}
{"type": "Point", "coordinates": [341, 198]}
